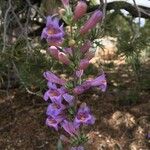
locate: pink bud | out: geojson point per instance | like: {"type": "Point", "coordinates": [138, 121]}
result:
{"type": "Point", "coordinates": [80, 10]}
{"type": "Point", "coordinates": [63, 58]}
{"type": "Point", "coordinates": [86, 46]}
{"type": "Point", "coordinates": [84, 63]}
{"type": "Point", "coordinates": [65, 2]}
{"type": "Point", "coordinates": [91, 23]}
{"type": "Point", "coordinates": [53, 52]}
{"type": "Point", "coordinates": [89, 55]}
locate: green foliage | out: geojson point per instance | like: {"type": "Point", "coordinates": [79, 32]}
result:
{"type": "Point", "coordinates": [29, 65]}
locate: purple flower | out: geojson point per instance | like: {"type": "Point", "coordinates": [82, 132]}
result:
{"type": "Point", "coordinates": [91, 23]}
{"type": "Point", "coordinates": [77, 148]}
{"type": "Point", "coordinates": [100, 82]}
{"type": "Point", "coordinates": [53, 33]}
{"type": "Point", "coordinates": [82, 88]}
{"type": "Point", "coordinates": [84, 116]}
{"type": "Point", "coordinates": [51, 77]}
{"type": "Point", "coordinates": [55, 108]}
{"type": "Point", "coordinates": [52, 121]}
{"type": "Point", "coordinates": [80, 10]}
{"type": "Point", "coordinates": [69, 98]}
{"type": "Point", "coordinates": [69, 127]}
{"type": "Point", "coordinates": [51, 85]}
{"type": "Point", "coordinates": [54, 94]}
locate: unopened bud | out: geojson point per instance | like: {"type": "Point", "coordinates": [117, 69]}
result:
{"type": "Point", "coordinates": [63, 58]}
{"type": "Point", "coordinates": [89, 55]}
{"type": "Point", "coordinates": [86, 46]}
{"type": "Point", "coordinates": [53, 51]}
{"type": "Point", "coordinates": [80, 10]}
{"type": "Point", "coordinates": [79, 73]}
{"type": "Point", "coordinates": [84, 63]}
{"type": "Point", "coordinates": [91, 23]}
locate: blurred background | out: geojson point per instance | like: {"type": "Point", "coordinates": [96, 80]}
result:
{"type": "Point", "coordinates": [123, 51]}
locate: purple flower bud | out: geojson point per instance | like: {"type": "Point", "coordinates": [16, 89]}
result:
{"type": "Point", "coordinates": [53, 78]}
{"type": "Point", "coordinates": [84, 63]}
{"type": "Point", "coordinates": [63, 58]}
{"type": "Point", "coordinates": [53, 51]}
{"type": "Point", "coordinates": [79, 73]}
{"type": "Point", "coordinates": [91, 23]}
{"type": "Point", "coordinates": [86, 46]}
{"type": "Point", "coordinates": [80, 10]}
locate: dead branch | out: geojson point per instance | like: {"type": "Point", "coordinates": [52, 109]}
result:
{"type": "Point", "coordinates": [117, 5]}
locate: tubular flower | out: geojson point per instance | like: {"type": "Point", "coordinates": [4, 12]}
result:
{"type": "Point", "coordinates": [80, 10]}
{"type": "Point", "coordinates": [55, 94]}
{"type": "Point", "coordinates": [53, 32]}
{"type": "Point", "coordinates": [84, 116]}
{"type": "Point", "coordinates": [82, 88]}
{"type": "Point", "coordinates": [91, 23]}
{"type": "Point", "coordinates": [52, 94]}
{"type": "Point", "coordinates": [53, 52]}
{"type": "Point", "coordinates": [55, 108]}
{"type": "Point", "coordinates": [51, 77]}
{"type": "Point", "coordinates": [100, 82]}
{"type": "Point", "coordinates": [84, 63]}
{"type": "Point", "coordinates": [69, 127]}
{"type": "Point", "coordinates": [52, 121]}
{"type": "Point", "coordinates": [86, 46]}
{"type": "Point", "coordinates": [63, 58]}
{"type": "Point", "coordinates": [69, 98]}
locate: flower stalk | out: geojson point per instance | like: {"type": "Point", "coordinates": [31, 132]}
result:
{"type": "Point", "coordinates": [65, 112]}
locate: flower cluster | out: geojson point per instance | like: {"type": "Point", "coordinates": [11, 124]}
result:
{"type": "Point", "coordinates": [73, 49]}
